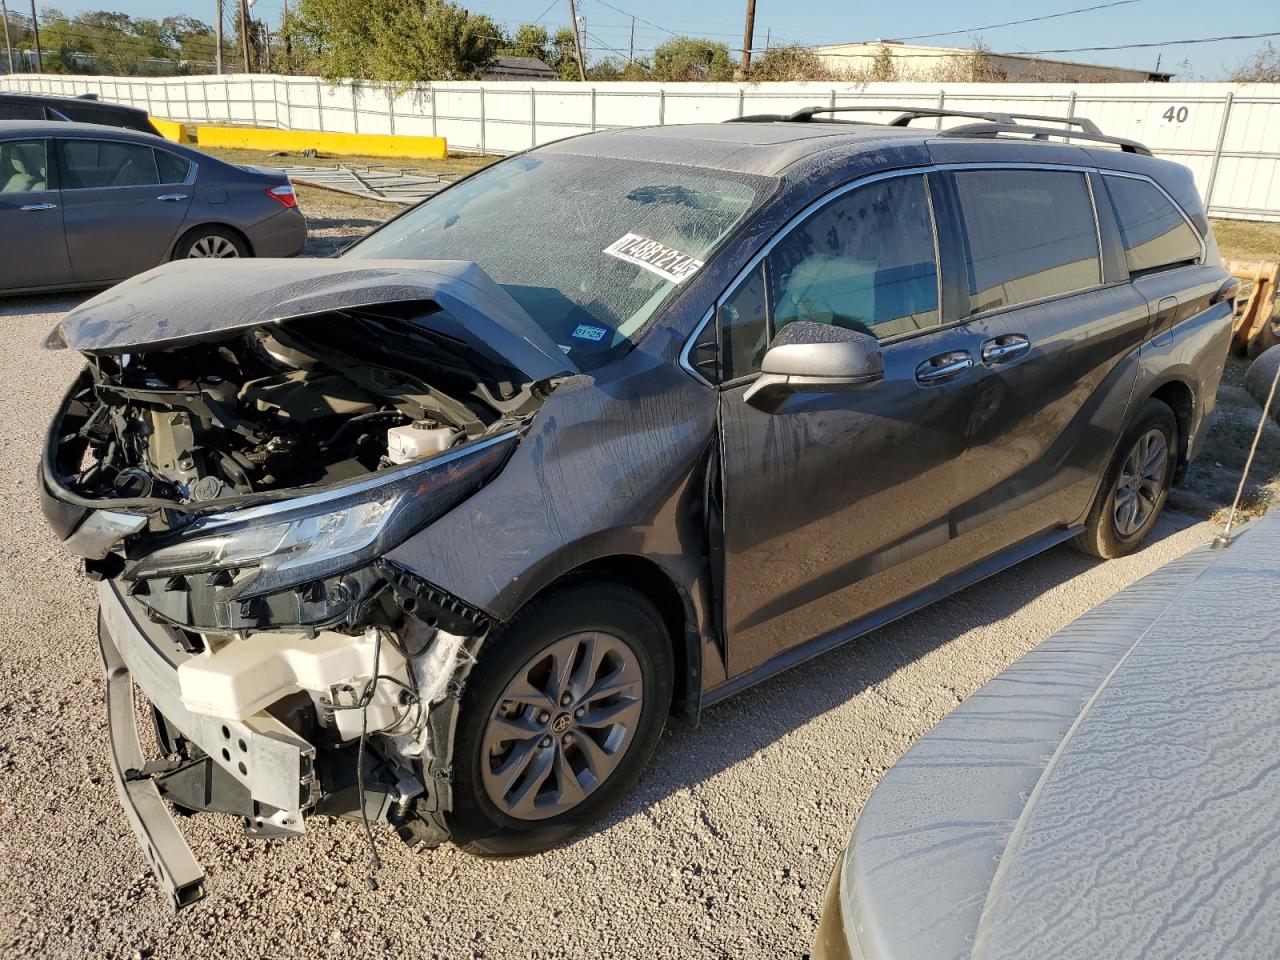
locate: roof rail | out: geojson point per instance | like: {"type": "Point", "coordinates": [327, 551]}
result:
{"type": "Point", "coordinates": [993, 130]}
{"type": "Point", "coordinates": [907, 114]}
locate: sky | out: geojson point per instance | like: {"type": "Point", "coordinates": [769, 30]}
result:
{"type": "Point", "coordinates": [608, 24]}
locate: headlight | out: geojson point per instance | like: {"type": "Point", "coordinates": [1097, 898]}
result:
{"type": "Point", "coordinates": [315, 536]}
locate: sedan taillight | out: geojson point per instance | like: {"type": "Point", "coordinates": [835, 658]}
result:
{"type": "Point", "coordinates": [284, 195]}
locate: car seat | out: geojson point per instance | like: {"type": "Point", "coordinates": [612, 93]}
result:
{"type": "Point", "coordinates": [24, 166]}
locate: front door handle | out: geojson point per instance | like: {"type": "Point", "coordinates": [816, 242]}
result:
{"type": "Point", "coordinates": [172, 197]}
{"type": "Point", "coordinates": [1006, 348]}
{"type": "Point", "coordinates": [41, 206]}
{"type": "Point", "coordinates": [944, 367]}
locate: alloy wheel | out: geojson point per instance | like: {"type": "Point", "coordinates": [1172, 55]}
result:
{"type": "Point", "coordinates": [213, 246]}
{"type": "Point", "coordinates": [561, 726]}
{"type": "Point", "coordinates": [1141, 482]}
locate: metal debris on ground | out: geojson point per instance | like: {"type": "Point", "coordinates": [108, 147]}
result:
{"type": "Point", "coordinates": [374, 183]}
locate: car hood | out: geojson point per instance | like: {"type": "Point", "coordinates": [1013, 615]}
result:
{"type": "Point", "coordinates": [192, 300]}
{"type": "Point", "coordinates": [1110, 794]}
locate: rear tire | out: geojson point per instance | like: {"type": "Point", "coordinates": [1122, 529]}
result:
{"type": "Point", "coordinates": [533, 766]}
{"type": "Point", "coordinates": [1136, 485]}
{"type": "Point", "coordinates": [211, 242]}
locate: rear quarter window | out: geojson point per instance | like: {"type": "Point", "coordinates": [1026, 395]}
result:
{"type": "Point", "coordinates": [1155, 234]}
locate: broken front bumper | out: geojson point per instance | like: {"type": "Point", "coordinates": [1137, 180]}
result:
{"type": "Point", "coordinates": [271, 770]}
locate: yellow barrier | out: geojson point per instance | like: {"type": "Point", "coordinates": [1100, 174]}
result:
{"type": "Point", "coordinates": [171, 130]}
{"type": "Point", "coordinates": [362, 144]}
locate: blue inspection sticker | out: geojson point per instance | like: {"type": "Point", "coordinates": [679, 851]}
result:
{"type": "Point", "coordinates": [585, 331]}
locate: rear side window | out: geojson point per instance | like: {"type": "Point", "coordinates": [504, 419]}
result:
{"type": "Point", "coordinates": [24, 166]}
{"type": "Point", "coordinates": [173, 169]}
{"type": "Point", "coordinates": [20, 111]}
{"type": "Point", "coordinates": [103, 116]}
{"type": "Point", "coordinates": [1030, 234]}
{"type": "Point", "coordinates": [865, 261]}
{"type": "Point", "coordinates": [1156, 236]}
{"type": "Point", "coordinates": [107, 163]}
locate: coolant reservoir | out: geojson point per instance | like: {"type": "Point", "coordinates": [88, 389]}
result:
{"type": "Point", "coordinates": [416, 440]}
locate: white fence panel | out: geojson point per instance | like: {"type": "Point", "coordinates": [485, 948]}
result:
{"type": "Point", "coordinates": [1227, 134]}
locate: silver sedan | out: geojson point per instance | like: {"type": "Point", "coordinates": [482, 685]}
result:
{"type": "Point", "coordinates": [83, 205]}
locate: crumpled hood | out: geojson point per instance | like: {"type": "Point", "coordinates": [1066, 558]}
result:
{"type": "Point", "coordinates": [192, 300]}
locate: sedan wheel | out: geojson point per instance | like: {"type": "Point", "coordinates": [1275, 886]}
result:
{"type": "Point", "coordinates": [561, 726]}
{"type": "Point", "coordinates": [1141, 483]}
{"type": "Point", "coordinates": [213, 246]}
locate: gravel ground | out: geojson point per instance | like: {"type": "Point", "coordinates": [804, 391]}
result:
{"type": "Point", "coordinates": [722, 850]}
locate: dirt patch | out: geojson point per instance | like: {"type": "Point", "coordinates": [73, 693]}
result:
{"type": "Point", "coordinates": [335, 219]}
{"type": "Point", "coordinates": [1247, 239]}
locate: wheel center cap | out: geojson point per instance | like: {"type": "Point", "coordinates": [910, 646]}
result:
{"type": "Point", "coordinates": [561, 723]}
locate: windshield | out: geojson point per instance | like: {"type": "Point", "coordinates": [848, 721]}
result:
{"type": "Point", "coordinates": [588, 246]}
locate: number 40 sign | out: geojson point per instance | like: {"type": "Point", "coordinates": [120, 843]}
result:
{"type": "Point", "coordinates": [1174, 114]}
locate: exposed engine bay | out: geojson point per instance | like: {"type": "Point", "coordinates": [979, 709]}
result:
{"type": "Point", "coordinates": [320, 400]}
{"type": "Point", "coordinates": [233, 464]}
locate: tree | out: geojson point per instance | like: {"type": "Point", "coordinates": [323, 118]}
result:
{"type": "Point", "coordinates": [1262, 67]}
{"type": "Point", "coordinates": [882, 65]}
{"type": "Point", "coordinates": [691, 58]}
{"type": "Point", "coordinates": [194, 39]}
{"type": "Point", "coordinates": [529, 40]}
{"type": "Point", "coordinates": [792, 62]}
{"type": "Point", "coordinates": [396, 40]}
{"type": "Point", "coordinates": [563, 56]}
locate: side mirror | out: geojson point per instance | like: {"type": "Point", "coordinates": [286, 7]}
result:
{"type": "Point", "coordinates": [807, 357]}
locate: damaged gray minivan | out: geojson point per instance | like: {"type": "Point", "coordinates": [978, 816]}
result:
{"type": "Point", "coordinates": [436, 534]}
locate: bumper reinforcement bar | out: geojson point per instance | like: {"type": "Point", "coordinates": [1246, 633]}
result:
{"type": "Point", "coordinates": [177, 870]}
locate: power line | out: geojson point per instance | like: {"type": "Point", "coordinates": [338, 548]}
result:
{"type": "Point", "coordinates": [1164, 43]}
{"type": "Point", "coordinates": [627, 13]}
{"type": "Point", "coordinates": [542, 16]}
{"type": "Point", "coordinates": [1014, 23]}
{"type": "Point", "coordinates": [1035, 53]}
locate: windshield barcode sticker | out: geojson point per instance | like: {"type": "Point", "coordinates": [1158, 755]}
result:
{"type": "Point", "coordinates": [666, 262]}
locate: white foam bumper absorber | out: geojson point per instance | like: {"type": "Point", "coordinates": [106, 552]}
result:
{"type": "Point", "coordinates": [245, 676]}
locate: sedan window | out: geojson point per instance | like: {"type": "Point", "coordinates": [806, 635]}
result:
{"type": "Point", "coordinates": [173, 169]}
{"type": "Point", "coordinates": [24, 166]}
{"type": "Point", "coordinates": [20, 111]}
{"type": "Point", "coordinates": [88, 164]}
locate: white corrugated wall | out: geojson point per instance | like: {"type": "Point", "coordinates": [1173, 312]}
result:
{"type": "Point", "coordinates": [1227, 133]}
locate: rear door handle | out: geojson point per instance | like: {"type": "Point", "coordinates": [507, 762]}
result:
{"type": "Point", "coordinates": [1005, 348]}
{"type": "Point", "coordinates": [41, 206]}
{"type": "Point", "coordinates": [172, 197]}
{"type": "Point", "coordinates": [944, 367]}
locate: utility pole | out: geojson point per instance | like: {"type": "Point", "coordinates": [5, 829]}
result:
{"type": "Point", "coordinates": [288, 42]}
{"type": "Point", "coordinates": [577, 41]}
{"type": "Point", "coordinates": [244, 33]}
{"type": "Point", "coordinates": [631, 51]}
{"type": "Point", "coordinates": [35, 29]}
{"type": "Point", "coordinates": [747, 36]}
{"type": "Point", "coordinates": [8, 47]}
{"type": "Point", "coordinates": [217, 39]}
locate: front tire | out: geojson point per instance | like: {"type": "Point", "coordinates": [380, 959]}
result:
{"type": "Point", "coordinates": [563, 711]}
{"type": "Point", "coordinates": [1136, 485]}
